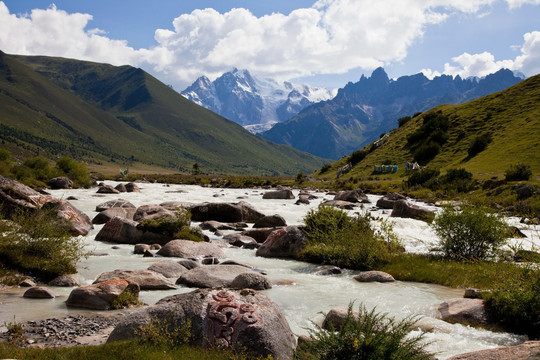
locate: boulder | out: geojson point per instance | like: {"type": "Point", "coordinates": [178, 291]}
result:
{"type": "Point", "coordinates": [251, 280]}
{"type": "Point", "coordinates": [210, 260]}
{"type": "Point", "coordinates": [260, 235]}
{"type": "Point", "coordinates": [302, 201]}
{"type": "Point", "coordinates": [107, 189]}
{"type": "Point", "coordinates": [39, 292]}
{"type": "Point", "coordinates": [405, 210]}
{"type": "Point", "coordinates": [235, 319]}
{"type": "Point", "coordinates": [334, 270]}
{"type": "Point", "coordinates": [106, 215]}
{"type": "Point", "coordinates": [270, 221]}
{"type": "Point", "coordinates": [529, 350]}
{"type": "Point", "coordinates": [174, 205]}
{"type": "Point", "coordinates": [279, 194]}
{"type": "Point", "coordinates": [214, 226]}
{"type": "Point", "coordinates": [374, 276]}
{"type": "Point", "coordinates": [152, 212]}
{"type": "Point", "coordinates": [285, 243]}
{"type": "Point", "coordinates": [131, 187]}
{"type": "Point", "coordinates": [464, 311]}
{"type": "Point", "coordinates": [190, 249]}
{"type": "Point", "coordinates": [141, 248]}
{"type": "Point", "coordinates": [353, 196]}
{"type": "Point", "coordinates": [341, 204]}
{"type": "Point", "coordinates": [65, 281]}
{"type": "Point", "coordinates": [240, 240]}
{"type": "Point", "coordinates": [60, 182]}
{"type": "Point", "coordinates": [168, 268]}
{"type": "Point", "coordinates": [147, 280]}
{"type": "Point", "coordinates": [121, 188]}
{"type": "Point", "coordinates": [125, 231]}
{"type": "Point", "coordinates": [388, 200]}
{"type": "Point", "coordinates": [225, 212]}
{"type": "Point", "coordinates": [524, 192]}
{"type": "Point", "coordinates": [211, 276]}
{"type": "Point", "coordinates": [27, 283]}
{"type": "Point", "coordinates": [336, 317]}
{"type": "Point", "coordinates": [102, 295]}
{"type": "Point", "coordinates": [118, 203]}
{"type": "Point", "coordinates": [189, 264]}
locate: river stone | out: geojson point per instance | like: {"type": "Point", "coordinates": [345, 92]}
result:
{"type": "Point", "coordinates": [107, 189]}
{"type": "Point", "coordinates": [285, 243]}
{"type": "Point", "coordinates": [240, 240]}
{"type": "Point", "coordinates": [120, 203]}
{"type": "Point", "coordinates": [374, 276]}
{"type": "Point", "coordinates": [237, 319]}
{"type": "Point", "coordinates": [60, 182]}
{"type": "Point", "coordinates": [124, 231]}
{"type": "Point", "coordinates": [405, 210]}
{"type": "Point", "coordinates": [225, 212]}
{"type": "Point", "coordinates": [464, 311]}
{"type": "Point", "coordinates": [189, 264]}
{"type": "Point", "coordinates": [106, 215]}
{"type": "Point", "coordinates": [260, 235]}
{"type": "Point", "coordinates": [388, 200]}
{"type": "Point", "coordinates": [529, 350]}
{"type": "Point", "coordinates": [121, 188]}
{"type": "Point", "coordinates": [211, 276]}
{"type": "Point", "coordinates": [302, 201]}
{"type": "Point", "coordinates": [270, 221]}
{"type": "Point", "coordinates": [39, 292]}
{"type": "Point", "coordinates": [68, 280]}
{"type": "Point", "coordinates": [341, 204]}
{"type": "Point", "coordinates": [279, 194]}
{"type": "Point", "coordinates": [214, 226]}
{"type": "Point", "coordinates": [168, 268]}
{"type": "Point", "coordinates": [147, 280]}
{"type": "Point", "coordinates": [131, 187]}
{"type": "Point", "coordinates": [334, 270]}
{"type": "Point", "coordinates": [251, 280]}
{"type": "Point", "coordinates": [27, 283]}
{"type": "Point", "coordinates": [353, 196]}
{"type": "Point", "coordinates": [100, 296]}
{"type": "Point", "coordinates": [336, 317]}
{"type": "Point", "coordinates": [141, 248]}
{"type": "Point", "coordinates": [190, 249]}
{"type": "Point", "coordinates": [152, 212]}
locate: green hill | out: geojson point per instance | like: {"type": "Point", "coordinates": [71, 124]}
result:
{"type": "Point", "coordinates": [509, 120]}
{"type": "Point", "coordinates": [121, 115]}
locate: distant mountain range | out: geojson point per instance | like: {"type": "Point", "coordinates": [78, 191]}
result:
{"type": "Point", "coordinates": [362, 111]}
{"type": "Point", "coordinates": [121, 117]}
{"type": "Point", "coordinates": [254, 103]}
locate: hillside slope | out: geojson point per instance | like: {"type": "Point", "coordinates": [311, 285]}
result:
{"type": "Point", "coordinates": [104, 113]}
{"type": "Point", "coordinates": [511, 118]}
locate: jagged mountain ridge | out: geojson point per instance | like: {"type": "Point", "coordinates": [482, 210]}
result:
{"type": "Point", "coordinates": [252, 102]}
{"type": "Point", "coordinates": [361, 111]}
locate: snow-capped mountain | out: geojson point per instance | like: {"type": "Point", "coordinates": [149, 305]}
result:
{"type": "Point", "coordinates": [254, 103]}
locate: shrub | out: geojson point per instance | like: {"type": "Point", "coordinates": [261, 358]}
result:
{"type": "Point", "coordinates": [403, 120]}
{"type": "Point", "coordinates": [421, 177]}
{"type": "Point", "coordinates": [357, 156]}
{"type": "Point", "coordinates": [369, 336]}
{"type": "Point", "coordinates": [15, 333]}
{"type": "Point", "coordinates": [426, 152]}
{"type": "Point", "coordinates": [125, 300]}
{"type": "Point", "coordinates": [518, 172]}
{"type": "Point", "coordinates": [455, 179]}
{"type": "Point", "coordinates": [425, 143]}
{"type": "Point", "coordinates": [165, 332]}
{"type": "Point", "coordinates": [479, 144]}
{"type": "Point", "coordinates": [324, 168]}
{"type": "Point", "coordinates": [168, 225]}
{"type": "Point", "coordinates": [190, 233]}
{"type": "Point", "coordinates": [473, 233]}
{"type": "Point", "coordinates": [76, 171]}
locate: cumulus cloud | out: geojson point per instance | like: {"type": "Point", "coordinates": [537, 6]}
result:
{"type": "Point", "coordinates": [332, 36]}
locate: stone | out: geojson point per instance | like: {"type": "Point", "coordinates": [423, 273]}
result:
{"type": "Point", "coordinates": [147, 280]}
{"type": "Point", "coordinates": [120, 203]}
{"type": "Point", "coordinates": [225, 212]}
{"type": "Point", "coordinates": [353, 196]}
{"type": "Point", "coordinates": [388, 200]}
{"type": "Point", "coordinates": [210, 261]}
{"type": "Point", "coordinates": [334, 270]}
{"type": "Point", "coordinates": [107, 189]}
{"type": "Point", "coordinates": [106, 215]}
{"type": "Point", "coordinates": [529, 350]}
{"type": "Point", "coordinates": [374, 276]}
{"type": "Point", "coordinates": [405, 210]}
{"type": "Point", "coordinates": [240, 240]}
{"type": "Point", "coordinates": [284, 243]}
{"type": "Point", "coordinates": [121, 188]}
{"type": "Point", "coordinates": [67, 280]}
{"type": "Point", "coordinates": [279, 194]}
{"type": "Point", "coordinates": [27, 283]}
{"type": "Point", "coordinates": [341, 204]}
{"type": "Point", "coordinates": [131, 187]}
{"type": "Point", "coordinates": [141, 248]}
{"type": "Point", "coordinates": [39, 292]}
{"type": "Point", "coordinates": [152, 212]}
{"type": "Point", "coordinates": [211, 276]}
{"type": "Point", "coordinates": [190, 249]}
{"type": "Point", "coordinates": [302, 201]}
{"type": "Point", "coordinates": [235, 319]}
{"type": "Point", "coordinates": [168, 268]}
{"type": "Point", "coordinates": [464, 311]}
{"type": "Point", "coordinates": [148, 253]}
{"type": "Point", "coordinates": [525, 192]}
{"type": "Point", "coordinates": [100, 296]}
{"type": "Point", "coordinates": [124, 231]}
{"type": "Point", "coordinates": [270, 221]}
{"type": "Point", "coordinates": [70, 198]}
{"type": "Point", "coordinates": [260, 235]}
{"type": "Point", "coordinates": [336, 317]}
{"type": "Point", "coordinates": [251, 280]}
{"type": "Point", "coordinates": [214, 226]}
{"type": "Point", "coordinates": [60, 182]}
{"type": "Point", "coordinates": [189, 264]}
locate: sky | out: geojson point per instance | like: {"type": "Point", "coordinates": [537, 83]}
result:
{"type": "Point", "coordinates": [319, 42]}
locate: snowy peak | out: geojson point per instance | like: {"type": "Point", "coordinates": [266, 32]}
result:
{"type": "Point", "coordinates": [253, 102]}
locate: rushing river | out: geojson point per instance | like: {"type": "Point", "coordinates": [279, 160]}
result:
{"type": "Point", "coordinates": [304, 300]}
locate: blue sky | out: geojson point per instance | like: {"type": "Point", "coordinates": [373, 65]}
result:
{"type": "Point", "coordinates": [325, 42]}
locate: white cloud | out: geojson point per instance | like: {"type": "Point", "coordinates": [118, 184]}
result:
{"type": "Point", "coordinates": [333, 36]}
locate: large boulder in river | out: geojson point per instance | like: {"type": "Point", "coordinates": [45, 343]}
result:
{"type": "Point", "coordinates": [15, 196]}
{"type": "Point", "coordinates": [353, 196]}
{"type": "Point", "coordinates": [60, 182]}
{"type": "Point", "coordinates": [240, 240]}
{"type": "Point", "coordinates": [464, 311]}
{"type": "Point", "coordinates": [388, 200]}
{"type": "Point", "coordinates": [147, 280]}
{"type": "Point", "coordinates": [212, 276]}
{"type": "Point", "coordinates": [66, 280]}
{"type": "Point", "coordinates": [225, 212]}
{"type": "Point", "coordinates": [341, 204]}
{"type": "Point", "coordinates": [234, 319]}
{"type": "Point", "coordinates": [405, 210]}
{"type": "Point", "coordinates": [39, 292]}
{"type": "Point", "coordinates": [106, 215]}
{"type": "Point", "coordinates": [279, 194]}
{"type": "Point", "coordinates": [102, 295]}
{"type": "Point", "coordinates": [529, 350]}
{"type": "Point", "coordinates": [251, 280]}
{"type": "Point", "coordinates": [168, 268]}
{"type": "Point", "coordinates": [260, 235]}
{"type": "Point", "coordinates": [374, 276]}
{"type": "Point", "coordinates": [284, 243]}
{"type": "Point", "coordinates": [270, 221]}
{"type": "Point", "coordinates": [336, 318]}
{"type": "Point", "coordinates": [190, 249]}
{"type": "Point", "coordinates": [118, 203]}
{"type": "Point", "coordinates": [107, 189]}
{"type": "Point", "coordinates": [131, 187]}
{"type": "Point", "coordinates": [152, 212]}
{"type": "Point", "coordinates": [125, 231]}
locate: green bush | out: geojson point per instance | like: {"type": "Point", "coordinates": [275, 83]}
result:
{"type": "Point", "coordinates": [425, 143]}
{"type": "Point", "coordinates": [125, 300]}
{"type": "Point", "coordinates": [168, 225]}
{"type": "Point", "coordinates": [421, 177]}
{"type": "Point", "coordinates": [516, 304]}
{"type": "Point", "coordinates": [357, 156]}
{"type": "Point", "coordinates": [518, 172]}
{"type": "Point", "coordinates": [74, 170]}
{"type": "Point", "coordinates": [190, 233]}
{"type": "Point", "coordinates": [403, 120]}
{"type": "Point", "coordinates": [459, 180]}
{"type": "Point", "coordinates": [472, 233]}
{"type": "Point", "coordinates": [324, 168]}
{"type": "Point", "coordinates": [369, 336]}
{"type": "Point", "coordinates": [479, 144]}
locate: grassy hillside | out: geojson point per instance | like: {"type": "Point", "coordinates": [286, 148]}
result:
{"type": "Point", "coordinates": [122, 116]}
{"type": "Point", "coordinates": [511, 118]}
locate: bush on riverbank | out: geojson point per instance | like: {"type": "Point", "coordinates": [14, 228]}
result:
{"type": "Point", "coordinates": [367, 336]}
{"type": "Point", "coordinates": [38, 247]}
{"type": "Point", "coordinates": [336, 238]}
{"type": "Point", "coordinates": [177, 226]}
